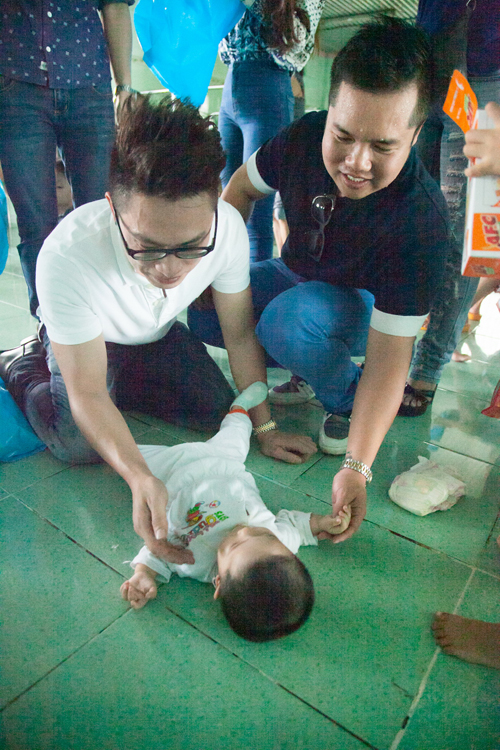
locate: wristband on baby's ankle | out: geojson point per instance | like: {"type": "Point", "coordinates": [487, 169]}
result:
{"type": "Point", "coordinates": [359, 466]}
{"type": "Point", "coordinates": [266, 427]}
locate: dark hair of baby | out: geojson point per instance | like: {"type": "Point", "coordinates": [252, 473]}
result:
{"type": "Point", "coordinates": [165, 149]}
{"type": "Point", "coordinates": [273, 598]}
{"type": "Point", "coordinates": [385, 57]}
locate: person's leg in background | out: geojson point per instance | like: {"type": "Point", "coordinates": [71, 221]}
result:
{"type": "Point", "coordinates": [27, 154]}
{"type": "Point", "coordinates": [230, 132]}
{"type": "Point", "coordinates": [452, 303]}
{"type": "Point", "coordinates": [261, 104]}
{"type": "Point", "coordinates": [86, 131]}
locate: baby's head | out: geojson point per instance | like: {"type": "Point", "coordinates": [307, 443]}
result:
{"type": "Point", "coordinates": [265, 590]}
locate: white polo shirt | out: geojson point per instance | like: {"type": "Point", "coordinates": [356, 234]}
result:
{"type": "Point", "coordinates": [87, 286]}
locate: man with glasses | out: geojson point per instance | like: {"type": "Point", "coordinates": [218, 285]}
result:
{"type": "Point", "coordinates": [112, 278]}
{"type": "Point", "coordinates": [368, 235]}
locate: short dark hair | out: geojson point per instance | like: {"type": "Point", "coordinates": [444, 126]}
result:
{"type": "Point", "coordinates": [271, 599]}
{"type": "Point", "coordinates": [165, 149]}
{"type": "Point", "coordinates": [383, 57]}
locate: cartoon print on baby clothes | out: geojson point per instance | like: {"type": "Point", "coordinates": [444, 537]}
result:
{"type": "Point", "coordinates": [197, 525]}
{"type": "Point", "coordinates": [193, 515]}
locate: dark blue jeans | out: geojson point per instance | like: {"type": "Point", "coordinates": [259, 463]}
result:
{"type": "Point", "coordinates": [33, 121]}
{"type": "Point", "coordinates": [173, 378]}
{"type": "Point", "coordinates": [309, 327]}
{"type": "Point", "coordinates": [257, 102]}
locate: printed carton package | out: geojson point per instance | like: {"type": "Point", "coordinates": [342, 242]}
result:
{"type": "Point", "coordinates": [481, 255]}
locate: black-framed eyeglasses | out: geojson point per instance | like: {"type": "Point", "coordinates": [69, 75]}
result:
{"type": "Point", "coordinates": [184, 253]}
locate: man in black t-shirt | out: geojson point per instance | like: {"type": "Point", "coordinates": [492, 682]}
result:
{"type": "Point", "coordinates": [368, 235]}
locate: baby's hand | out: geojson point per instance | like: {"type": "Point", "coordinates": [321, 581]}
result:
{"type": "Point", "coordinates": [325, 527]}
{"type": "Point", "coordinates": [139, 589]}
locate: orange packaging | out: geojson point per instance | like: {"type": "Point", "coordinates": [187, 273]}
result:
{"type": "Point", "coordinates": [481, 256]}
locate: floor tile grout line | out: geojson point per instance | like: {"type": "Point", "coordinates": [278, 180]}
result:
{"type": "Point", "coordinates": [425, 679]}
{"type": "Point", "coordinates": [71, 539]}
{"type": "Point", "coordinates": [63, 661]}
{"type": "Point", "coordinates": [268, 677]}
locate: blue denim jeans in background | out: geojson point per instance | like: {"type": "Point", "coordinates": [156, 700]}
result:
{"type": "Point", "coordinates": [173, 378]}
{"type": "Point", "coordinates": [33, 120]}
{"type": "Point", "coordinates": [309, 327]}
{"type": "Point", "coordinates": [257, 102]}
{"type": "Point", "coordinates": [440, 146]}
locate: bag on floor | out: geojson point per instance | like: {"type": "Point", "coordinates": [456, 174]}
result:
{"type": "Point", "coordinates": [425, 488]}
{"type": "Point", "coordinates": [4, 225]}
{"type": "Point", "coordinates": [179, 39]}
{"type": "Point", "coordinates": [17, 439]}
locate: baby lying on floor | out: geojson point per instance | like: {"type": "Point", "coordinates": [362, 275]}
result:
{"type": "Point", "coordinates": [216, 511]}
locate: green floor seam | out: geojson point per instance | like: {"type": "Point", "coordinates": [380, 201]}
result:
{"type": "Point", "coordinates": [63, 661]}
{"type": "Point", "coordinates": [46, 520]}
{"type": "Point", "coordinates": [423, 684]}
{"type": "Point", "coordinates": [269, 678]}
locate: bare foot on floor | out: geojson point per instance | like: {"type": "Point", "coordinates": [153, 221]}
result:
{"type": "Point", "coordinates": [459, 357]}
{"type": "Point", "coordinates": [474, 641]}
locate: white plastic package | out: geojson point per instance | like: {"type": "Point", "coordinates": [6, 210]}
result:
{"type": "Point", "coordinates": [425, 488]}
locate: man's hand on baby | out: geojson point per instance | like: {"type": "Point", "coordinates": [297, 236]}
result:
{"type": "Point", "coordinates": [139, 589]}
{"type": "Point", "coordinates": [349, 488]}
{"type": "Point", "coordinates": [293, 449]}
{"type": "Point", "coordinates": [327, 527]}
{"type": "Point", "coordinates": [150, 521]}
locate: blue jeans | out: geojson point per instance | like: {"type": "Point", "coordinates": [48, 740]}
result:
{"type": "Point", "coordinates": [33, 121]}
{"type": "Point", "coordinates": [309, 327]}
{"type": "Point", "coordinates": [440, 146]}
{"type": "Point", "coordinates": [257, 102]}
{"type": "Point", "coordinates": [174, 379]}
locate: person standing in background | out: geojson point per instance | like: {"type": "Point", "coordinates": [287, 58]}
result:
{"type": "Point", "coordinates": [274, 39]}
{"type": "Point", "coordinates": [465, 35]}
{"type": "Point", "coordinates": [55, 91]}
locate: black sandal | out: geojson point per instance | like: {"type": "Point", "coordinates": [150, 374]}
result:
{"type": "Point", "coordinates": [424, 397]}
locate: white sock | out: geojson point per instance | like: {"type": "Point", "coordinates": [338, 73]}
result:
{"type": "Point", "coordinates": [252, 396]}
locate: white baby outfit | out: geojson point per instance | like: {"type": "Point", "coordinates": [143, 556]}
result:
{"type": "Point", "coordinates": [210, 492]}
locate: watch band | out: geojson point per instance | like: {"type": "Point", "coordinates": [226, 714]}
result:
{"type": "Point", "coordinates": [125, 87]}
{"type": "Point", "coordinates": [266, 427]}
{"type": "Point", "coordinates": [359, 466]}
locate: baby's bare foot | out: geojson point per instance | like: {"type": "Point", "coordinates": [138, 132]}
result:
{"type": "Point", "coordinates": [474, 641]}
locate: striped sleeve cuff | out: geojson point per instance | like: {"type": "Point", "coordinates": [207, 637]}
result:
{"type": "Point", "coordinates": [396, 325]}
{"type": "Point", "coordinates": [255, 178]}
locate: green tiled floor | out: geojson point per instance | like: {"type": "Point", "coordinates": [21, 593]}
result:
{"type": "Point", "coordinates": [81, 670]}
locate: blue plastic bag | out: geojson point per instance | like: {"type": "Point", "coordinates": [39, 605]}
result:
{"type": "Point", "coordinates": [4, 225]}
{"type": "Point", "coordinates": [17, 439]}
{"type": "Point", "coordinates": [179, 39]}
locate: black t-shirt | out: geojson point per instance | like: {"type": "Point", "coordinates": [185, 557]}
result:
{"type": "Point", "coordinates": [392, 243]}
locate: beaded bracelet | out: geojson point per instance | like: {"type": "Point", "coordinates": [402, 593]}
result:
{"type": "Point", "coordinates": [351, 463]}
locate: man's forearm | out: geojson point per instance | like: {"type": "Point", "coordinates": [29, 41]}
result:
{"type": "Point", "coordinates": [378, 397]}
{"type": "Point", "coordinates": [118, 32]}
{"type": "Point", "coordinates": [108, 433]}
{"type": "Point", "coordinates": [247, 362]}
{"type": "Point", "coordinates": [238, 193]}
